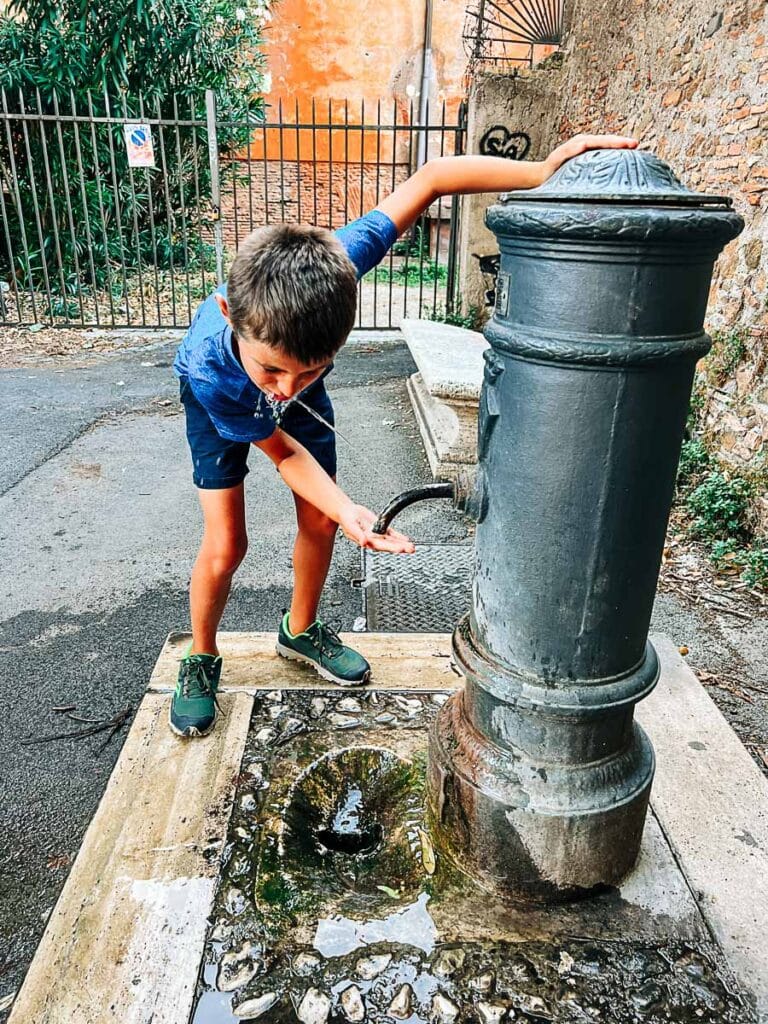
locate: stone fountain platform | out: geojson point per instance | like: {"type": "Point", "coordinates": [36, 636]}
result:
{"type": "Point", "coordinates": [199, 894]}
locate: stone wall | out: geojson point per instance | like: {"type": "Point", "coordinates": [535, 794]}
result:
{"type": "Point", "coordinates": [267, 192]}
{"type": "Point", "coordinates": [690, 81]}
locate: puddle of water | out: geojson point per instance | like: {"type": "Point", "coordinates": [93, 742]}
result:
{"type": "Point", "coordinates": [411, 926]}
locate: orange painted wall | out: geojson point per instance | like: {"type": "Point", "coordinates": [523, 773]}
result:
{"type": "Point", "coordinates": [361, 53]}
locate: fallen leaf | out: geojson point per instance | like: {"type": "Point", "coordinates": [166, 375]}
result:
{"type": "Point", "coordinates": [394, 893]}
{"type": "Point", "coordinates": [58, 860]}
{"type": "Point", "coordinates": [427, 852]}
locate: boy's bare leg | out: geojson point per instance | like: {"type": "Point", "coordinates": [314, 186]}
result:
{"type": "Point", "coordinates": [312, 555]}
{"type": "Point", "coordinates": [222, 549]}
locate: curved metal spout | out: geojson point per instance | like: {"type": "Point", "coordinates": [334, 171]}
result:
{"type": "Point", "coordinates": [439, 490]}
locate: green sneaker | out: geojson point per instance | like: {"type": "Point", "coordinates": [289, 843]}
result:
{"type": "Point", "coordinates": [320, 646]}
{"type": "Point", "coordinates": [194, 704]}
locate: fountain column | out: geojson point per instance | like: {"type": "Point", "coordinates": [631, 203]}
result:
{"type": "Point", "coordinates": [539, 778]}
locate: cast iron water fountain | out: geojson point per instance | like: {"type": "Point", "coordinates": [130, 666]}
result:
{"type": "Point", "coordinates": [539, 777]}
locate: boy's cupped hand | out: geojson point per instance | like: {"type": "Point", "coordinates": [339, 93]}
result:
{"type": "Point", "coordinates": [356, 522]}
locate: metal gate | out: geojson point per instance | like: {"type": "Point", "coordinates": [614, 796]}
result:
{"type": "Point", "coordinates": [87, 239]}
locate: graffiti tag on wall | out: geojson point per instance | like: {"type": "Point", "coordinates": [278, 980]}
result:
{"type": "Point", "coordinates": [500, 141]}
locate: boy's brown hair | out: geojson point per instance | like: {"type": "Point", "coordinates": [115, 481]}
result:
{"type": "Point", "coordinates": [294, 288]}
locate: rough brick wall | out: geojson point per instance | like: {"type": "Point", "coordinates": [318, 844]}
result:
{"type": "Point", "coordinates": [310, 193]}
{"type": "Point", "coordinates": [691, 82]}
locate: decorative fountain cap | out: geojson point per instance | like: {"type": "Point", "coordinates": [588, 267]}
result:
{"type": "Point", "coordinates": [616, 176]}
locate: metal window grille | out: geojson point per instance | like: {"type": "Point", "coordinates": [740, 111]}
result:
{"type": "Point", "coordinates": [505, 33]}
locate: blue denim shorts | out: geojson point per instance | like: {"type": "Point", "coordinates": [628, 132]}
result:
{"type": "Point", "coordinates": [219, 463]}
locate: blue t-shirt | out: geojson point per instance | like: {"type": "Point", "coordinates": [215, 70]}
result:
{"type": "Point", "coordinates": [207, 361]}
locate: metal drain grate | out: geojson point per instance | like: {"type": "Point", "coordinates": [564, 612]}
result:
{"type": "Point", "coordinates": [426, 592]}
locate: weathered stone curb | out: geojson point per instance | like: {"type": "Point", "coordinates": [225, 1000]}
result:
{"type": "Point", "coordinates": [712, 803]}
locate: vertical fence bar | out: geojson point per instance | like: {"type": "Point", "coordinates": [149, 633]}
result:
{"type": "Point", "coordinates": [213, 162]}
{"type": "Point", "coordinates": [360, 213]}
{"type": "Point", "coordinates": [439, 217]}
{"type": "Point", "coordinates": [135, 219]}
{"type": "Point", "coordinates": [102, 216]}
{"type": "Point", "coordinates": [51, 195]}
{"type": "Point", "coordinates": [346, 161]}
{"type": "Point", "coordinates": [152, 231]}
{"type": "Point", "coordinates": [109, 129]}
{"type": "Point", "coordinates": [314, 160]}
{"type": "Point", "coordinates": [378, 191]}
{"type": "Point", "coordinates": [232, 161]}
{"type": "Point", "coordinates": [19, 206]}
{"type": "Point", "coordinates": [36, 207]}
{"type": "Point", "coordinates": [182, 206]}
{"type": "Point", "coordinates": [68, 203]}
{"type": "Point", "coordinates": [266, 172]}
{"type": "Point", "coordinates": [84, 201]}
{"type": "Point", "coordinates": [250, 175]}
{"type": "Point", "coordinates": [453, 231]}
{"type": "Point", "coordinates": [408, 248]}
{"type": "Point", "coordinates": [281, 154]}
{"type": "Point", "coordinates": [393, 186]}
{"type": "Point", "coordinates": [7, 232]}
{"type": "Point", "coordinates": [170, 222]}
{"type": "Point", "coordinates": [425, 216]}
{"type": "Point", "coordinates": [330, 166]}
{"type": "Point", "coordinates": [298, 161]}
{"type": "Point", "coordinates": [198, 209]}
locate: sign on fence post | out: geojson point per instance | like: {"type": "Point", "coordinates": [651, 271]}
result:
{"type": "Point", "coordinates": [138, 142]}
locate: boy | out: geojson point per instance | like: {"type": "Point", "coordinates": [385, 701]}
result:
{"type": "Point", "coordinates": [251, 372]}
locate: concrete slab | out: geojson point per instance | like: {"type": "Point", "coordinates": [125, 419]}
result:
{"type": "Point", "coordinates": [129, 933]}
{"type": "Point", "coordinates": [712, 802]}
{"type": "Point", "coordinates": [408, 661]}
{"type": "Point", "coordinates": [125, 939]}
{"type": "Point", "coordinates": [449, 359]}
{"type": "Point", "coordinates": [446, 391]}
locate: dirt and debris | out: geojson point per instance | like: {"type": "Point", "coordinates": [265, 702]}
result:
{"type": "Point", "coordinates": [24, 347]}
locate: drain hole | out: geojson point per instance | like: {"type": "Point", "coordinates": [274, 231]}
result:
{"type": "Point", "coordinates": [349, 832]}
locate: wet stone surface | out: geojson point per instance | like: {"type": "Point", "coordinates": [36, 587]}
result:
{"type": "Point", "coordinates": [330, 889]}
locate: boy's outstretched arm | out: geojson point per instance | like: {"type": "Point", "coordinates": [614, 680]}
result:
{"type": "Point", "coordinates": [458, 175]}
{"type": "Point", "coordinates": [306, 477]}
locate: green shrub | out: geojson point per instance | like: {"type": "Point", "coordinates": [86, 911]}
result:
{"type": "Point", "coordinates": [756, 565]}
{"type": "Point", "coordinates": [728, 350]}
{"type": "Point", "coordinates": [694, 459]}
{"type": "Point", "coordinates": [134, 60]}
{"type": "Point", "coordinates": [413, 244]}
{"type": "Point", "coordinates": [413, 273]}
{"type": "Point", "coordinates": [752, 560]}
{"type": "Point", "coordinates": [472, 320]}
{"type": "Point", "coordinates": [721, 506]}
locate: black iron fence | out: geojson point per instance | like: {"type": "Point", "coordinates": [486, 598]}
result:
{"type": "Point", "coordinates": [129, 217]}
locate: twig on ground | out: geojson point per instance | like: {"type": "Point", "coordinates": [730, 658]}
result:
{"type": "Point", "coordinates": [113, 724]}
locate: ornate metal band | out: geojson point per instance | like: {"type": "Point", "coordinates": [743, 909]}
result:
{"type": "Point", "coordinates": [573, 790]}
{"type": "Point", "coordinates": [620, 350]}
{"type": "Point", "coordinates": [614, 223]}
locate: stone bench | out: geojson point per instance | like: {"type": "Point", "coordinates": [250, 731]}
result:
{"type": "Point", "coordinates": [445, 392]}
